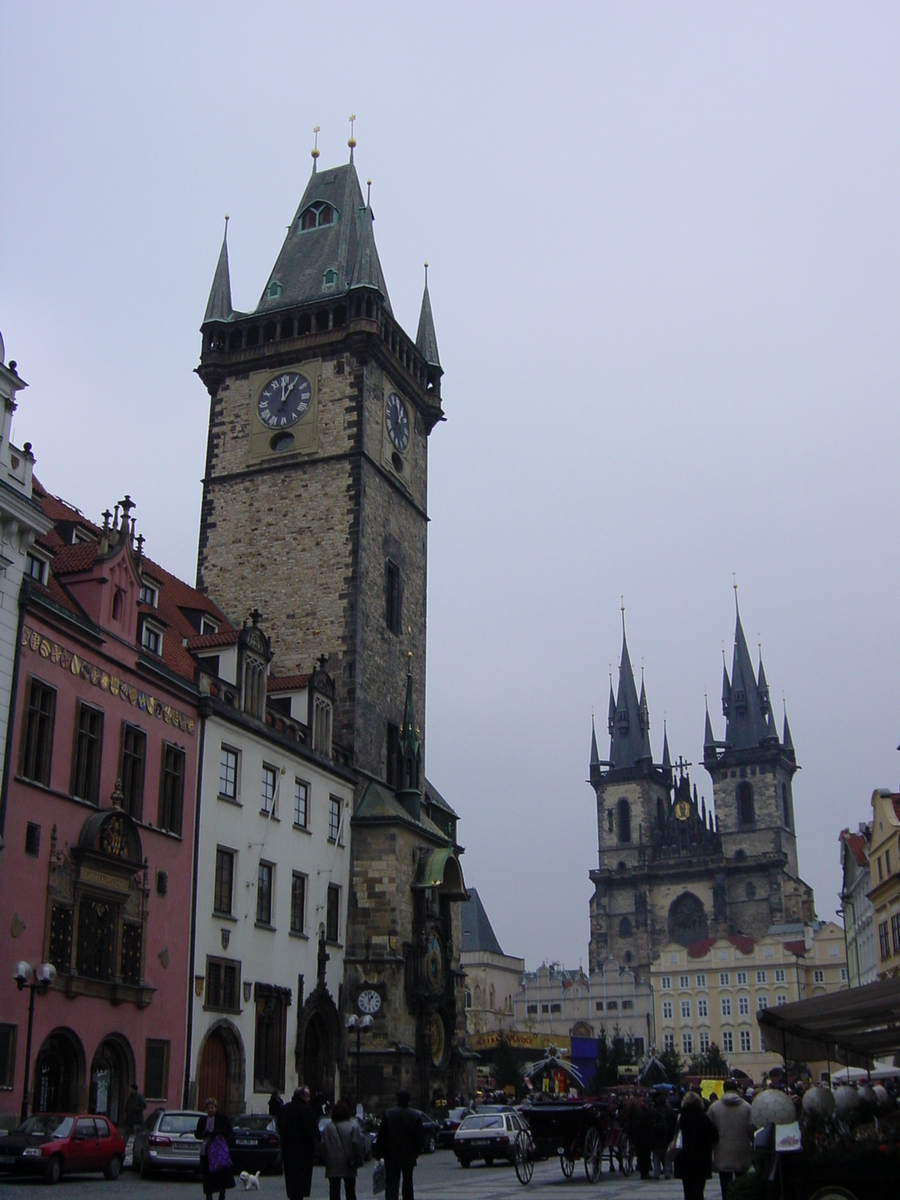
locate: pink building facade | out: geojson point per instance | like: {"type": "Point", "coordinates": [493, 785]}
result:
{"type": "Point", "coordinates": [98, 821]}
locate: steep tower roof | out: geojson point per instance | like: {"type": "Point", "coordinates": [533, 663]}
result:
{"type": "Point", "coordinates": [595, 754]}
{"type": "Point", "coordinates": [746, 708]}
{"type": "Point", "coordinates": [426, 339]}
{"type": "Point", "coordinates": [627, 744]}
{"type": "Point", "coordinates": [218, 306]}
{"type": "Point", "coordinates": [329, 246]}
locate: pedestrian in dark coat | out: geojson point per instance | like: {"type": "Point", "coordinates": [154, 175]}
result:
{"type": "Point", "coordinates": [642, 1136]}
{"type": "Point", "coordinates": [214, 1125]}
{"type": "Point", "coordinates": [398, 1142]}
{"type": "Point", "coordinates": [699, 1135]}
{"type": "Point", "coordinates": [298, 1130]}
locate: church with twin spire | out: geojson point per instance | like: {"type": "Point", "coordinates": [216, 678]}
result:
{"type": "Point", "coordinates": [671, 869]}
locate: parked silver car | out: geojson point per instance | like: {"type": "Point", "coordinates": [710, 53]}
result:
{"type": "Point", "coordinates": [488, 1135]}
{"type": "Point", "coordinates": [166, 1142]}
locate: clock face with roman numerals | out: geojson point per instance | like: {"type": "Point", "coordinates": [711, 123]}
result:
{"type": "Point", "coordinates": [396, 419]}
{"type": "Point", "coordinates": [284, 400]}
{"type": "Point", "coordinates": [368, 1001]}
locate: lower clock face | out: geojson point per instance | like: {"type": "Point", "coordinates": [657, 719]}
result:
{"type": "Point", "coordinates": [284, 400]}
{"type": "Point", "coordinates": [434, 962]}
{"type": "Point", "coordinates": [396, 418]}
{"type": "Point", "coordinates": [368, 1001]}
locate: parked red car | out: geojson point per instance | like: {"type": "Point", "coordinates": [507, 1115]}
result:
{"type": "Point", "coordinates": [49, 1144]}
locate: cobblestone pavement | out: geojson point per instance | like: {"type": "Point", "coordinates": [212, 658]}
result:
{"type": "Point", "coordinates": [438, 1177]}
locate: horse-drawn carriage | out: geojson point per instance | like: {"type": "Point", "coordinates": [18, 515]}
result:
{"type": "Point", "coordinates": [570, 1130]}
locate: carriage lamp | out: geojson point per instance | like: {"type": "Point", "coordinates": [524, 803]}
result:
{"type": "Point", "coordinates": [36, 981]}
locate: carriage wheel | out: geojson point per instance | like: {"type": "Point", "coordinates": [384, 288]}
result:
{"type": "Point", "coordinates": [626, 1158]}
{"type": "Point", "coordinates": [593, 1155]}
{"type": "Point", "coordinates": [568, 1165]}
{"type": "Point", "coordinates": [830, 1192]}
{"type": "Point", "coordinates": [524, 1160]}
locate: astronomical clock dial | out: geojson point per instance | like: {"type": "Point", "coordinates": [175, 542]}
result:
{"type": "Point", "coordinates": [434, 962]}
{"type": "Point", "coordinates": [396, 418]}
{"type": "Point", "coordinates": [284, 400]}
{"type": "Point", "coordinates": [682, 810]}
{"type": "Point", "coordinates": [438, 1039]}
{"type": "Point", "coordinates": [368, 1001]}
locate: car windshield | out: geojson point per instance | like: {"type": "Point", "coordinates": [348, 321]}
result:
{"type": "Point", "coordinates": [456, 1114]}
{"type": "Point", "coordinates": [481, 1123]}
{"type": "Point", "coordinates": [257, 1121]}
{"type": "Point", "coordinates": [178, 1122]}
{"type": "Point", "coordinates": [48, 1125]}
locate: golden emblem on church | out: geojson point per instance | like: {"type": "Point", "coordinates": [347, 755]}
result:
{"type": "Point", "coordinates": [113, 839]}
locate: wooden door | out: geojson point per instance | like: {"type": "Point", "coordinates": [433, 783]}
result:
{"type": "Point", "coordinates": [212, 1072]}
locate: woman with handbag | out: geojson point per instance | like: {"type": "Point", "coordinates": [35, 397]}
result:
{"type": "Point", "coordinates": [345, 1151]}
{"type": "Point", "coordinates": [693, 1163]}
{"type": "Point", "coordinates": [215, 1162]}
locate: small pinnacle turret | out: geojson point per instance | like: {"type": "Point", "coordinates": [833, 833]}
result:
{"type": "Point", "coordinates": [218, 306]}
{"type": "Point", "coordinates": [426, 338]}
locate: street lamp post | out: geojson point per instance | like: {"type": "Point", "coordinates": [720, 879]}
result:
{"type": "Point", "coordinates": [43, 977]}
{"type": "Point", "coordinates": [361, 1025]}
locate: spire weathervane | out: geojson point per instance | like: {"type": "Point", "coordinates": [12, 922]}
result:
{"type": "Point", "coordinates": [368, 193]}
{"type": "Point", "coordinates": [351, 141]}
{"type": "Point", "coordinates": [315, 150]}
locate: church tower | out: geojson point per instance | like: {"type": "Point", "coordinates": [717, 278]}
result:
{"type": "Point", "coordinates": [315, 500]}
{"type": "Point", "coordinates": [751, 772]}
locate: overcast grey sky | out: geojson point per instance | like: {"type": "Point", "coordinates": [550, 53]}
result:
{"type": "Point", "coordinates": [664, 270]}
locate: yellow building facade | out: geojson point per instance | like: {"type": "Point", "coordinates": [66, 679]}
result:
{"type": "Point", "coordinates": [884, 873]}
{"type": "Point", "coordinates": [709, 994]}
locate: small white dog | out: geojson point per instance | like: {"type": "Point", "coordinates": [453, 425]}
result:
{"type": "Point", "coordinates": [250, 1182]}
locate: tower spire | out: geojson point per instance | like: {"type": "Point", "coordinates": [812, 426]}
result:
{"type": "Point", "coordinates": [630, 740]}
{"type": "Point", "coordinates": [218, 306]}
{"type": "Point", "coordinates": [426, 338]}
{"type": "Point", "coordinates": [594, 772]}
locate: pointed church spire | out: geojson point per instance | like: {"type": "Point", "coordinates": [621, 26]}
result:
{"type": "Point", "coordinates": [786, 739]}
{"type": "Point", "coordinates": [666, 759]}
{"type": "Point", "coordinates": [611, 719]}
{"type": "Point", "coordinates": [747, 727]}
{"type": "Point", "coordinates": [762, 685]}
{"type": "Point", "coordinates": [218, 306]}
{"type": "Point", "coordinates": [709, 739]}
{"type": "Point", "coordinates": [426, 339]}
{"type": "Point", "coordinates": [644, 719]}
{"type": "Point", "coordinates": [726, 686]}
{"type": "Point", "coordinates": [630, 742]}
{"type": "Point", "coordinates": [367, 268]}
{"type": "Point", "coordinates": [594, 774]}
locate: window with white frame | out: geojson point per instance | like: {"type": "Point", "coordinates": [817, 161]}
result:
{"type": "Point", "coordinates": [265, 878]}
{"type": "Point", "coordinates": [223, 893]}
{"type": "Point", "coordinates": [35, 567]}
{"type": "Point", "coordinates": [687, 1043]}
{"type": "Point", "coordinates": [667, 1010]}
{"type": "Point", "coordinates": [665, 983]}
{"type": "Point", "coordinates": [685, 1010]}
{"type": "Point", "coordinates": [762, 1001]}
{"type": "Point", "coordinates": [301, 803]}
{"type": "Point", "coordinates": [298, 902]}
{"type": "Point", "coordinates": [229, 775]}
{"type": "Point", "coordinates": [703, 1040]}
{"type": "Point", "coordinates": [701, 980]}
{"type": "Point", "coordinates": [702, 1008]}
{"type": "Point", "coordinates": [724, 979]}
{"type": "Point", "coordinates": [151, 638]}
{"type": "Point", "coordinates": [334, 818]}
{"type": "Point", "coordinates": [726, 1006]}
{"type": "Point", "coordinates": [727, 1041]}
{"type": "Point", "coordinates": [741, 978]}
{"type": "Point", "coordinates": [843, 974]}
{"type": "Point", "coordinates": [781, 998]}
{"type": "Point", "coordinates": [818, 976]}
{"type": "Point", "coordinates": [761, 977]}
{"type": "Point", "coordinates": [267, 791]}
{"type": "Point", "coordinates": [684, 982]}
{"type": "Point", "coordinates": [668, 1041]}
{"type": "Point", "coordinates": [743, 1006]}
{"type": "Point", "coordinates": [779, 975]}
{"type": "Point", "coordinates": [149, 594]}
{"type": "Point", "coordinates": [745, 1041]}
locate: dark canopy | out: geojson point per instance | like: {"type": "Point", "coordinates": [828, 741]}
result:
{"type": "Point", "coordinates": [852, 1027]}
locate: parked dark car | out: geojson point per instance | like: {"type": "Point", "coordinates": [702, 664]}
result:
{"type": "Point", "coordinates": [452, 1120]}
{"type": "Point", "coordinates": [166, 1142]}
{"type": "Point", "coordinates": [255, 1145]}
{"type": "Point", "coordinates": [53, 1144]}
{"type": "Point", "coordinates": [430, 1131]}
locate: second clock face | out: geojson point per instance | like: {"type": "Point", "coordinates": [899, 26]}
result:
{"type": "Point", "coordinates": [397, 420]}
{"type": "Point", "coordinates": [368, 1001]}
{"type": "Point", "coordinates": [284, 400]}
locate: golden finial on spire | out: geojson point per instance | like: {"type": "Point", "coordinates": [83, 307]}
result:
{"type": "Point", "coordinates": [426, 274]}
{"type": "Point", "coordinates": [368, 193]}
{"type": "Point", "coordinates": [351, 141]}
{"type": "Point", "coordinates": [315, 150]}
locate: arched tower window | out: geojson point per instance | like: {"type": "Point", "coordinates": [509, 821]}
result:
{"type": "Point", "coordinates": [623, 820]}
{"type": "Point", "coordinates": [786, 805]}
{"type": "Point", "coordinates": [744, 796]}
{"type": "Point", "coordinates": [687, 920]}
{"type": "Point", "coordinates": [625, 927]}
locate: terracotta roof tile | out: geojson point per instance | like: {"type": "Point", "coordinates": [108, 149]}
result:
{"type": "Point", "coordinates": [798, 948]}
{"type": "Point", "coordinates": [209, 641]}
{"type": "Point", "coordinates": [740, 942]}
{"type": "Point", "coordinates": [857, 845]}
{"type": "Point", "coordinates": [287, 683]}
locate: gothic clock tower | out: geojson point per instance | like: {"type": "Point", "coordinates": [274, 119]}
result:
{"type": "Point", "coordinates": [315, 491]}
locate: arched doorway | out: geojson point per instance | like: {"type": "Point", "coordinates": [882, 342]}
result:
{"type": "Point", "coordinates": [112, 1073]}
{"type": "Point", "coordinates": [59, 1073]}
{"type": "Point", "coordinates": [220, 1069]}
{"type": "Point", "coordinates": [315, 1055]}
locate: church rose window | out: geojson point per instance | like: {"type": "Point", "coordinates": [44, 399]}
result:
{"type": "Point", "coordinates": [687, 920]}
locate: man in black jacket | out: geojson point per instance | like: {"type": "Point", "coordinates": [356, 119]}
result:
{"type": "Point", "coordinates": [398, 1142]}
{"type": "Point", "coordinates": [298, 1130]}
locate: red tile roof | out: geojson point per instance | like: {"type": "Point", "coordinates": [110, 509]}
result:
{"type": "Point", "coordinates": [857, 845]}
{"type": "Point", "coordinates": [287, 683]}
{"type": "Point", "coordinates": [740, 942]}
{"type": "Point", "coordinates": [798, 948]}
{"type": "Point", "coordinates": [209, 641]}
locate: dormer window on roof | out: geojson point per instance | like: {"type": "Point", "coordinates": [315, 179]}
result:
{"type": "Point", "coordinates": [330, 278]}
{"type": "Point", "coordinates": [151, 637]}
{"type": "Point", "coordinates": [275, 289]}
{"type": "Point", "coordinates": [208, 626]}
{"type": "Point", "coordinates": [316, 215]}
{"type": "Point", "coordinates": [150, 594]}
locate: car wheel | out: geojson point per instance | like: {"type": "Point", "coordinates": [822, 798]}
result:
{"type": "Point", "coordinates": [146, 1169]}
{"type": "Point", "coordinates": [464, 1160]}
{"type": "Point", "coordinates": [54, 1170]}
{"type": "Point", "coordinates": [432, 1143]}
{"type": "Point", "coordinates": [489, 1160]}
{"type": "Point", "coordinates": [112, 1168]}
